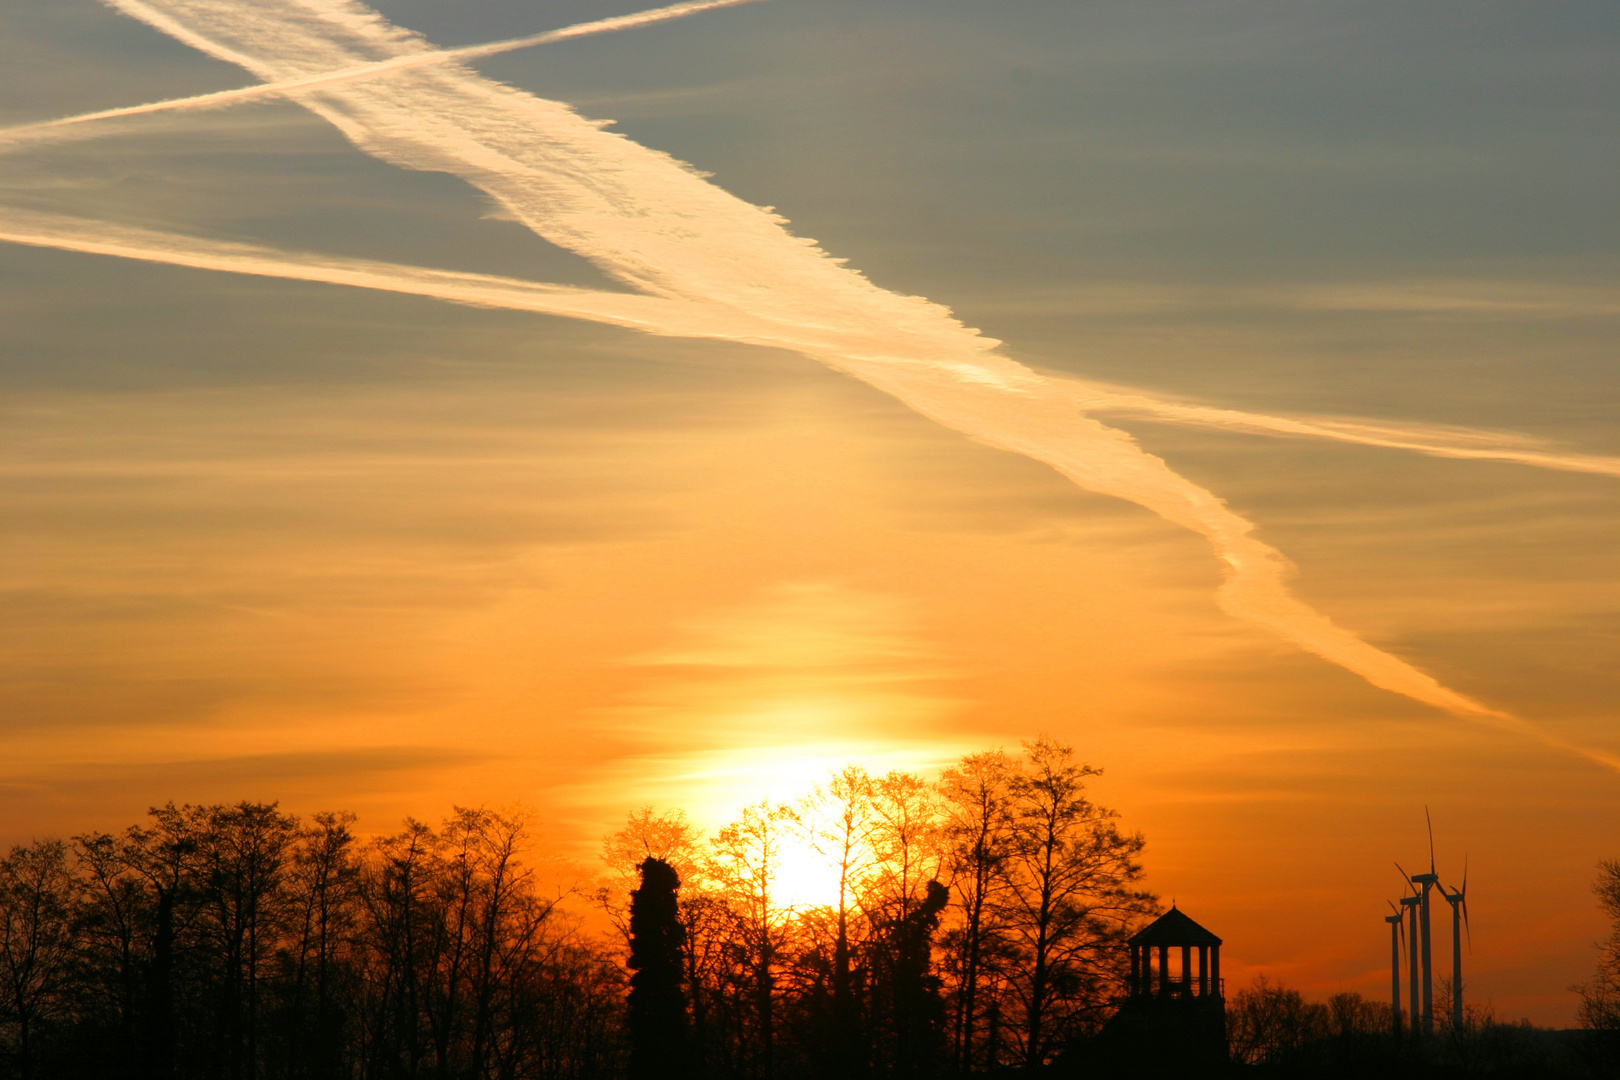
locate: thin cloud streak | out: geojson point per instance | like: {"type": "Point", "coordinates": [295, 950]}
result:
{"type": "Point", "coordinates": [736, 273]}
{"type": "Point", "coordinates": [677, 319]}
{"type": "Point", "coordinates": [1447, 442]}
{"type": "Point", "coordinates": [40, 229]}
{"type": "Point", "coordinates": [49, 131]}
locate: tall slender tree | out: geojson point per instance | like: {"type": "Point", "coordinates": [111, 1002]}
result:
{"type": "Point", "coordinates": [656, 1018]}
{"type": "Point", "coordinates": [1069, 898]}
{"type": "Point", "coordinates": [36, 944]}
{"type": "Point", "coordinates": [977, 798]}
{"type": "Point", "coordinates": [1600, 997]}
{"type": "Point", "coordinates": [838, 820]}
{"type": "Point", "coordinates": [746, 864]}
{"type": "Point", "coordinates": [915, 1014]}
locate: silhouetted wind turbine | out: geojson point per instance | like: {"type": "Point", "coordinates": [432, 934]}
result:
{"type": "Point", "coordinates": [1459, 919]}
{"type": "Point", "coordinates": [1427, 881]}
{"type": "Point", "coordinates": [1410, 904]}
{"type": "Point", "coordinates": [1397, 923]}
{"type": "Point", "coordinates": [1422, 1020]}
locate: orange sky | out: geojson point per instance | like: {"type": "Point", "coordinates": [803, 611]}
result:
{"type": "Point", "coordinates": [292, 541]}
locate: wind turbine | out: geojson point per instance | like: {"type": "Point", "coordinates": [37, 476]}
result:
{"type": "Point", "coordinates": [1427, 881]}
{"type": "Point", "coordinates": [1459, 919]}
{"type": "Point", "coordinates": [1411, 903]}
{"type": "Point", "coordinates": [1421, 960]}
{"type": "Point", "coordinates": [1397, 923]}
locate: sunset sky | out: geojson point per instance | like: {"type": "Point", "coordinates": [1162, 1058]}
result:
{"type": "Point", "coordinates": [688, 514]}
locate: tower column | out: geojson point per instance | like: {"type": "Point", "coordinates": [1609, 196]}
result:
{"type": "Point", "coordinates": [1164, 969]}
{"type": "Point", "coordinates": [1203, 971]}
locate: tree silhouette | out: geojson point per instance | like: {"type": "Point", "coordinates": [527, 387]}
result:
{"type": "Point", "coordinates": [1600, 997]}
{"type": "Point", "coordinates": [977, 799]}
{"type": "Point", "coordinates": [1068, 903]}
{"type": "Point", "coordinates": [916, 1013]}
{"type": "Point", "coordinates": [239, 942]}
{"type": "Point", "coordinates": [36, 943]}
{"type": "Point", "coordinates": [746, 863]}
{"type": "Point", "coordinates": [838, 819]}
{"type": "Point", "coordinates": [660, 1044]}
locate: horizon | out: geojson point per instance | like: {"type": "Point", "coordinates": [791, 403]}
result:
{"type": "Point", "coordinates": [1224, 391]}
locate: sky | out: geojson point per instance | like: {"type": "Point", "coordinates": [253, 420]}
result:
{"type": "Point", "coordinates": [1288, 495]}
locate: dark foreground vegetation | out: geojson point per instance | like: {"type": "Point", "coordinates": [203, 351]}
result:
{"type": "Point", "coordinates": [1275, 1032]}
{"type": "Point", "coordinates": [970, 926]}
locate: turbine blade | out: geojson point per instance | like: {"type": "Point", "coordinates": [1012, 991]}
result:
{"type": "Point", "coordinates": [1466, 928]}
{"type": "Point", "coordinates": [1405, 877]}
{"type": "Point", "coordinates": [1430, 821]}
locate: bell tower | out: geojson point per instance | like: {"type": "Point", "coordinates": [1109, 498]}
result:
{"type": "Point", "coordinates": [1162, 961]}
{"type": "Point", "coordinates": [1173, 1015]}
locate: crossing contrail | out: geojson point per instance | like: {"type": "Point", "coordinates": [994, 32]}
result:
{"type": "Point", "coordinates": [48, 131]}
{"type": "Point", "coordinates": [675, 318]}
{"type": "Point", "coordinates": [707, 264]}
{"type": "Point", "coordinates": [1447, 442]}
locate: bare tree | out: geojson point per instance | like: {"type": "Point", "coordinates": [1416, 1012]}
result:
{"type": "Point", "coordinates": [838, 820]}
{"type": "Point", "coordinates": [115, 925]}
{"type": "Point", "coordinates": [745, 863]}
{"type": "Point", "coordinates": [1600, 996]}
{"type": "Point", "coordinates": [906, 840]}
{"type": "Point", "coordinates": [36, 942]}
{"type": "Point", "coordinates": [245, 857]}
{"type": "Point", "coordinates": [401, 912]}
{"type": "Point", "coordinates": [1068, 900]}
{"type": "Point", "coordinates": [324, 888]}
{"type": "Point", "coordinates": [977, 800]}
{"type": "Point", "coordinates": [1267, 1022]}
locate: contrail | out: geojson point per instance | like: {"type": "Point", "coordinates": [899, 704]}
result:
{"type": "Point", "coordinates": [632, 310]}
{"type": "Point", "coordinates": [1463, 443]}
{"type": "Point", "coordinates": [730, 270]}
{"type": "Point", "coordinates": [666, 317]}
{"type": "Point", "coordinates": [675, 318]}
{"type": "Point", "coordinates": [24, 135]}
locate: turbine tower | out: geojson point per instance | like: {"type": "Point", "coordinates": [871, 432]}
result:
{"type": "Point", "coordinates": [1459, 920]}
{"type": "Point", "coordinates": [1427, 882]}
{"type": "Point", "coordinates": [1396, 925]}
{"type": "Point", "coordinates": [1421, 941]}
{"type": "Point", "coordinates": [1411, 903]}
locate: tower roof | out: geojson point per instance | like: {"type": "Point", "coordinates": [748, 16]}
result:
{"type": "Point", "coordinates": [1173, 928]}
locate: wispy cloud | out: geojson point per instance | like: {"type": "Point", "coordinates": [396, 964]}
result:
{"type": "Point", "coordinates": [726, 269]}
{"type": "Point", "coordinates": [1471, 298]}
{"type": "Point", "coordinates": [419, 55]}
{"type": "Point", "coordinates": [1435, 440]}
{"type": "Point", "coordinates": [680, 318]}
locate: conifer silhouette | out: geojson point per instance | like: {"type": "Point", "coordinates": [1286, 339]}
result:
{"type": "Point", "coordinates": [660, 1045]}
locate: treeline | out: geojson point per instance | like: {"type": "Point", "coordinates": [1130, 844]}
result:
{"type": "Point", "coordinates": [964, 926]}
{"type": "Point", "coordinates": [1275, 1031]}
{"type": "Point", "coordinates": [238, 942]}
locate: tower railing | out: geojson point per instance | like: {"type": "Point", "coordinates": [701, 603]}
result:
{"type": "Point", "coordinates": [1178, 988]}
